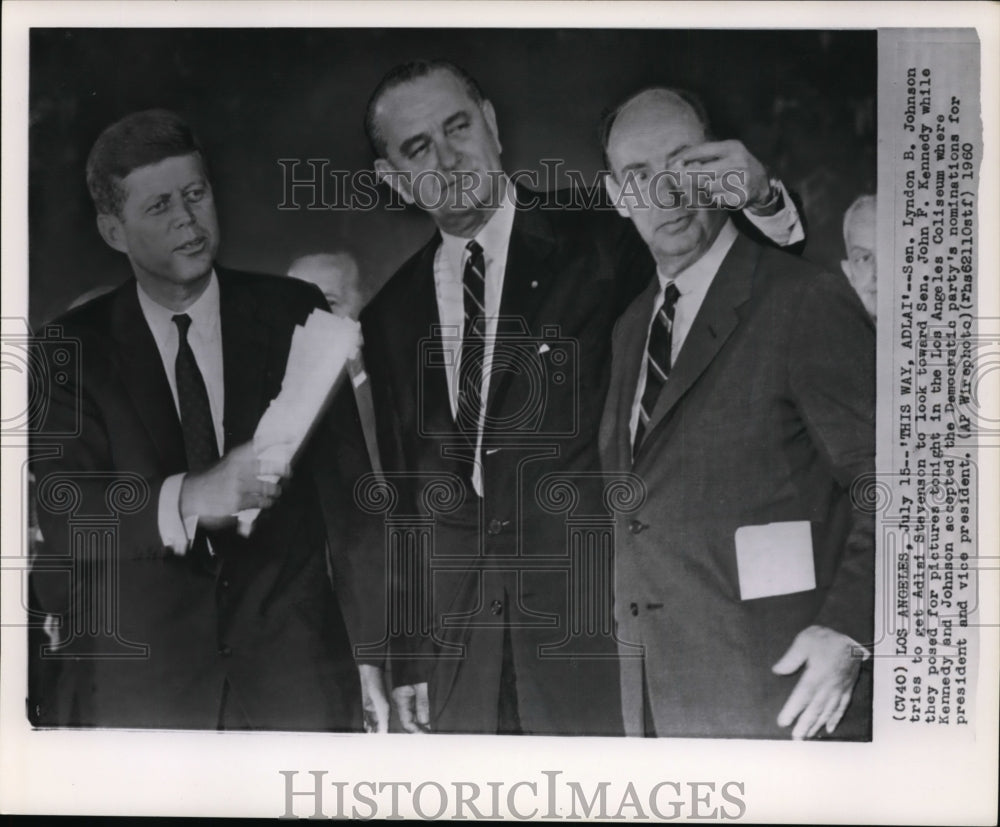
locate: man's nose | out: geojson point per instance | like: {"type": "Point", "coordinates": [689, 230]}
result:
{"type": "Point", "coordinates": [449, 157]}
{"type": "Point", "coordinates": [183, 213]}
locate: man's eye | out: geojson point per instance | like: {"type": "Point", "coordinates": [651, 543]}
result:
{"type": "Point", "coordinates": [195, 194]}
{"type": "Point", "coordinates": [417, 151]}
{"type": "Point", "coordinates": [458, 127]}
{"type": "Point", "coordinates": [157, 208]}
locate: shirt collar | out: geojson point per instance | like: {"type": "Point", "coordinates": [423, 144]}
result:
{"type": "Point", "coordinates": [493, 237]}
{"type": "Point", "coordinates": [204, 312]}
{"type": "Point", "coordinates": [698, 275]}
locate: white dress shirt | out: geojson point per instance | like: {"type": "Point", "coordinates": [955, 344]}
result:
{"type": "Point", "coordinates": [449, 266]}
{"type": "Point", "coordinates": [205, 338]}
{"type": "Point", "coordinates": [692, 285]}
{"type": "Point", "coordinates": [785, 226]}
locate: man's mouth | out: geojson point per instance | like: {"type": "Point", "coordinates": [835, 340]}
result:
{"type": "Point", "coordinates": [678, 224]}
{"type": "Point", "coordinates": [192, 247]}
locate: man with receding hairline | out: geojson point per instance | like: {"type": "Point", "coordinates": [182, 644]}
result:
{"type": "Point", "coordinates": [743, 395]}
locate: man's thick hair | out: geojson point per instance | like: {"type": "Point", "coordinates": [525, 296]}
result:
{"type": "Point", "coordinates": [404, 73]}
{"type": "Point", "coordinates": [611, 115]}
{"type": "Point", "coordinates": [137, 140]}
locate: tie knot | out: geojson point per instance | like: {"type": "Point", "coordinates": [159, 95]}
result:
{"type": "Point", "coordinates": [474, 248]}
{"type": "Point", "coordinates": [183, 322]}
{"type": "Point", "coordinates": [671, 294]}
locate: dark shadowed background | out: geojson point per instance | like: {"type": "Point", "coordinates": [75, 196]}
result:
{"type": "Point", "coordinates": [803, 102]}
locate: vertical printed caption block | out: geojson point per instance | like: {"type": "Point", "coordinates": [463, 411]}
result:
{"type": "Point", "coordinates": [930, 151]}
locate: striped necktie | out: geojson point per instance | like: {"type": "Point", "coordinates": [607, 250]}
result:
{"type": "Point", "coordinates": [657, 361]}
{"type": "Point", "coordinates": [470, 369]}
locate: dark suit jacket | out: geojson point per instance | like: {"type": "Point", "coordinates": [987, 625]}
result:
{"type": "Point", "coordinates": [171, 630]}
{"type": "Point", "coordinates": [560, 298]}
{"type": "Point", "coordinates": [767, 416]}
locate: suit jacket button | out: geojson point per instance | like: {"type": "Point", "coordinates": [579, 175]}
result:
{"type": "Point", "coordinates": [634, 609]}
{"type": "Point", "coordinates": [496, 607]}
{"type": "Point", "coordinates": [494, 527]}
{"type": "Point", "coordinates": [635, 527]}
{"type": "Point", "coordinates": [225, 651]}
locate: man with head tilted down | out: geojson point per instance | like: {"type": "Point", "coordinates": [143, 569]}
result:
{"type": "Point", "coordinates": [743, 395]}
{"type": "Point", "coordinates": [208, 628]}
{"type": "Point", "coordinates": [488, 353]}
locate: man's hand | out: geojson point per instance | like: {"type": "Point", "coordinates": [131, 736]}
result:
{"type": "Point", "coordinates": [374, 698]}
{"type": "Point", "coordinates": [733, 177]}
{"type": "Point", "coordinates": [824, 690]}
{"type": "Point", "coordinates": [216, 494]}
{"type": "Point", "coordinates": [412, 707]}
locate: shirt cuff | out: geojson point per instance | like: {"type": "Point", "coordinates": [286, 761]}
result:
{"type": "Point", "coordinates": [785, 226]}
{"type": "Point", "coordinates": [175, 532]}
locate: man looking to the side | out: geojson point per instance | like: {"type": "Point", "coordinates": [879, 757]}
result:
{"type": "Point", "coordinates": [177, 365]}
{"type": "Point", "coordinates": [743, 395]}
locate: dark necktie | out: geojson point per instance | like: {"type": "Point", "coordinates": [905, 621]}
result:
{"type": "Point", "coordinates": [200, 444]}
{"type": "Point", "coordinates": [470, 368]}
{"type": "Point", "coordinates": [657, 361]}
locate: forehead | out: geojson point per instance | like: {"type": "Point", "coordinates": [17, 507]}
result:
{"type": "Point", "coordinates": [651, 128]}
{"type": "Point", "coordinates": [163, 176]}
{"type": "Point", "coordinates": [415, 104]}
{"type": "Point", "coordinates": [860, 230]}
{"type": "Point", "coordinates": [330, 271]}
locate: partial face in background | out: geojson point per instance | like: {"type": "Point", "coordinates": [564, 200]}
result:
{"type": "Point", "coordinates": [167, 226]}
{"type": "Point", "coordinates": [446, 146]}
{"type": "Point", "coordinates": [859, 267]}
{"type": "Point", "coordinates": [644, 140]}
{"type": "Point", "coordinates": [337, 275]}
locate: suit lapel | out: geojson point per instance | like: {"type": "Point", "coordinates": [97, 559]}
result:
{"type": "Point", "coordinates": [422, 324]}
{"type": "Point", "coordinates": [528, 276]}
{"type": "Point", "coordinates": [629, 353]}
{"type": "Point", "coordinates": [145, 380]}
{"type": "Point", "coordinates": [713, 325]}
{"type": "Point", "coordinates": [246, 358]}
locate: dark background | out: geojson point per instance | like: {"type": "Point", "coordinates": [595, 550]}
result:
{"type": "Point", "coordinates": [803, 102]}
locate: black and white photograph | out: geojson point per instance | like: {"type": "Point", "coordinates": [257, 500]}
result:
{"type": "Point", "coordinates": [609, 404]}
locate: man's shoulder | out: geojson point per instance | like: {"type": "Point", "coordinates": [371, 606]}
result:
{"type": "Point", "coordinates": [279, 295]}
{"type": "Point", "coordinates": [93, 316]}
{"type": "Point", "coordinates": [399, 287]}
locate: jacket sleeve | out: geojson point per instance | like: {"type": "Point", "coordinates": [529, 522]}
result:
{"type": "Point", "coordinates": [832, 376]}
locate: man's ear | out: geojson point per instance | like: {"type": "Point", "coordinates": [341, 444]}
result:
{"type": "Point", "coordinates": [845, 265]}
{"type": "Point", "coordinates": [489, 113]}
{"type": "Point", "coordinates": [111, 230]}
{"type": "Point", "coordinates": [615, 193]}
{"type": "Point", "coordinates": [398, 181]}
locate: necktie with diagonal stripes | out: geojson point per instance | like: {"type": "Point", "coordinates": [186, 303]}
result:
{"type": "Point", "coordinates": [470, 369]}
{"type": "Point", "coordinates": [657, 360]}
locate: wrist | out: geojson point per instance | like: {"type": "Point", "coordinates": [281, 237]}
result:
{"type": "Point", "coordinates": [772, 201]}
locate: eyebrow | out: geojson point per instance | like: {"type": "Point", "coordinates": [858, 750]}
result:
{"type": "Point", "coordinates": [411, 143]}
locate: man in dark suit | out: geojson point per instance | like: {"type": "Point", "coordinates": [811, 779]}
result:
{"type": "Point", "coordinates": [743, 395]}
{"type": "Point", "coordinates": [488, 353]}
{"type": "Point", "coordinates": [177, 620]}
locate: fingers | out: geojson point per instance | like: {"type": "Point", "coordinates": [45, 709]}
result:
{"type": "Point", "coordinates": [794, 657]}
{"type": "Point", "coordinates": [838, 713]}
{"type": "Point", "coordinates": [423, 706]}
{"type": "Point", "coordinates": [798, 700]}
{"type": "Point", "coordinates": [404, 699]}
{"type": "Point", "coordinates": [707, 152]}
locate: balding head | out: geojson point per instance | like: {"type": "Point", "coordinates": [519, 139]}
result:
{"type": "Point", "coordinates": [337, 275]}
{"type": "Point", "coordinates": [859, 241]}
{"type": "Point", "coordinates": [644, 136]}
